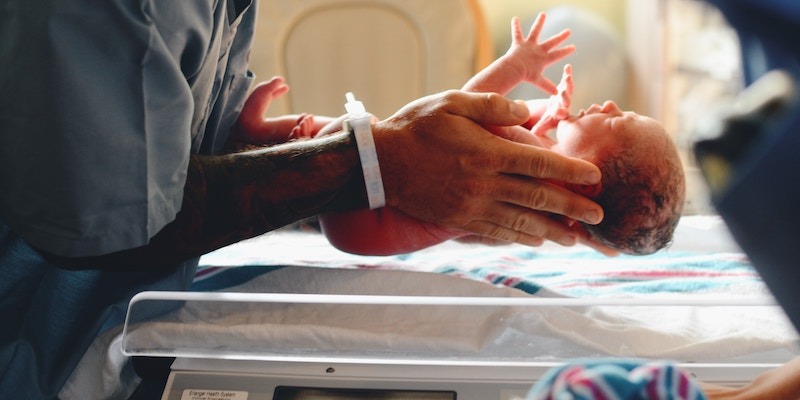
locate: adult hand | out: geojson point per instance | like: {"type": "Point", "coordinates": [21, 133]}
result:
{"type": "Point", "coordinates": [585, 239]}
{"type": "Point", "coordinates": [782, 383]}
{"type": "Point", "coordinates": [441, 166]}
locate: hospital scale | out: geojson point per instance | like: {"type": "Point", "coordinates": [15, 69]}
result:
{"type": "Point", "coordinates": [278, 346]}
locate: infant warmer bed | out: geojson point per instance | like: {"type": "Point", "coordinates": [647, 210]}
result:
{"type": "Point", "coordinates": [287, 313]}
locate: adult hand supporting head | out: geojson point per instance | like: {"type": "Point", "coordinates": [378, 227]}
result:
{"type": "Point", "coordinates": [441, 166]}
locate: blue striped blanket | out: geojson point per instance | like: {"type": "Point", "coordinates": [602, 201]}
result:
{"type": "Point", "coordinates": [702, 261]}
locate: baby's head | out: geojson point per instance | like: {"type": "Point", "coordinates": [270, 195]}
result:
{"type": "Point", "coordinates": [643, 185]}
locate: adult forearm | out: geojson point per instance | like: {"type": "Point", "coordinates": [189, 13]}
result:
{"type": "Point", "coordinates": [252, 192]}
{"type": "Point", "coordinates": [232, 197]}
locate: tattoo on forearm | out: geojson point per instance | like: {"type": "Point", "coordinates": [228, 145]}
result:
{"type": "Point", "coordinates": [240, 195]}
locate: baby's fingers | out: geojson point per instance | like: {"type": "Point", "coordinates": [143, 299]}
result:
{"type": "Point", "coordinates": [555, 40]}
{"type": "Point", "coordinates": [536, 28]}
{"type": "Point", "coordinates": [561, 113]}
{"type": "Point", "coordinates": [544, 126]}
{"type": "Point", "coordinates": [567, 84]}
{"type": "Point", "coordinates": [547, 85]}
{"type": "Point", "coordinates": [516, 31]}
{"type": "Point", "coordinates": [555, 55]}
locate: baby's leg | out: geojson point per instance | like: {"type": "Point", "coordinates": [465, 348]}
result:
{"type": "Point", "coordinates": [287, 127]}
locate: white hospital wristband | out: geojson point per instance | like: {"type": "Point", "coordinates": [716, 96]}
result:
{"type": "Point", "coordinates": [358, 122]}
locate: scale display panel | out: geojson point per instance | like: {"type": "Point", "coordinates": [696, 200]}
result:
{"type": "Point", "coordinates": [312, 393]}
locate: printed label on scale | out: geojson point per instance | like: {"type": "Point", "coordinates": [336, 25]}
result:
{"type": "Point", "coordinates": [201, 394]}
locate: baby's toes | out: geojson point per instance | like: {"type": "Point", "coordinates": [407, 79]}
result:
{"type": "Point", "coordinates": [304, 127]}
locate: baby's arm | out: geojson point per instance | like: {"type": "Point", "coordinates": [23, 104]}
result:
{"type": "Point", "coordinates": [525, 60]}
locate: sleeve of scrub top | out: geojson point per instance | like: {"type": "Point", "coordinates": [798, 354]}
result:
{"type": "Point", "coordinates": [95, 119]}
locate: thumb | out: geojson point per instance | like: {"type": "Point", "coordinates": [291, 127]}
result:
{"type": "Point", "coordinates": [516, 133]}
{"type": "Point", "coordinates": [486, 108]}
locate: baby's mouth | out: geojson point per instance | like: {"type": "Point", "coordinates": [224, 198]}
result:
{"type": "Point", "coordinates": [574, 117]}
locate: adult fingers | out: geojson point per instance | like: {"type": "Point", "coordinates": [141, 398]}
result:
{"type": "Point", "coordinates": [602, 249]}
{"type": "Point", "coordinates": [541, 163]}
{"type": "Point", "coordinates": [517, 134]}
{"type": "Point", "coordinates": [585, 239]}
{"type": "Point", "coordinates": [540, 195]}
{"type": "Point", "coordinates": [499, 233]}
{"type": "Point", "coordinates": [521, 225]}
{"type": "Point", "coordinates": [486, 108]}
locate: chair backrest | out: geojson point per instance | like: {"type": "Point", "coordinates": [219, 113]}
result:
{"type": "Point", "coordinates": [387, 52]}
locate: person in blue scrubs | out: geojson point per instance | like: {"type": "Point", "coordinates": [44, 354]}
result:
{"type": "Point", "coordinates": [113, 179]}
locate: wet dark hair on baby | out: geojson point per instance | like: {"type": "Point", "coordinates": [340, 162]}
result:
{"type": "Point", "coordinates": [642, 201]}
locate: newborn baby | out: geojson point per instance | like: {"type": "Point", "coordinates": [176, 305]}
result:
{"type": "Point", "coordinates": [641, 192]}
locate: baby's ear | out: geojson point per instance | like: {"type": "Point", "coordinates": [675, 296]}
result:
{"type": "Point", "coordinates": [589, 191]}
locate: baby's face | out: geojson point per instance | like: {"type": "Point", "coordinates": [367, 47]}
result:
{"type": "Point", "coordinates": [599, 131]}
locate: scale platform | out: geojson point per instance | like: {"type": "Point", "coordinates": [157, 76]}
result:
{"type": "Point", "coordinates": [274, 346]}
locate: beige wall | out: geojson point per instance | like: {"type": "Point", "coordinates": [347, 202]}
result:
{"type": "Point", "coordinates": [499, 13]}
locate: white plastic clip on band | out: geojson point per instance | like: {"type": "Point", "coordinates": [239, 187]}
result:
{"type": "Point", "coordinates": [358, 122]}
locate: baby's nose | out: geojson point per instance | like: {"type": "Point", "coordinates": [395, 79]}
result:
{"type": "Point", "coordinates": [610, 107]}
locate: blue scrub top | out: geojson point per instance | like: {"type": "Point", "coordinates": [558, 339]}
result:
{"type": "Point", "coordinates": [102, 105]}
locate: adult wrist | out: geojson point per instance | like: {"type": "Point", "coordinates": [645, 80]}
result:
{"type": "Point", "coordinates": [359, 124]}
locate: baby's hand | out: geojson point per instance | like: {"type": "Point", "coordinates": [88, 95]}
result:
{"type": "Point", "coordinates": [558, 105]}
{"type": "Point", "coordinates": [532, 57]}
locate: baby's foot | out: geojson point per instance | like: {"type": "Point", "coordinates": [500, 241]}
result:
{"type": "Point", "coordinates": [251, 126]}
{"type": "Point", "coordinates": [271, 90]}
{"type": "Point", "coordinates": [304, 128]}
